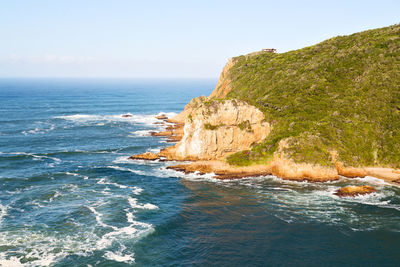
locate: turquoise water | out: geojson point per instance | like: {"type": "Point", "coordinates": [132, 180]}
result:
{"type": "Point", "coordinates": [70, 197]}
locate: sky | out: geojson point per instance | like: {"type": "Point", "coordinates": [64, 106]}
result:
{"type": "Point", "coordinates": [167, 39]}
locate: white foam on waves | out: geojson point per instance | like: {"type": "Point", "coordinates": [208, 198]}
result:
{"type": "Point", "coordinates": [120, 257]}
{"type": "Point", "coordinates": [103, 181]}
{"type": "Point", "coordinates": [36, 157]}
{"type": "Point", "coordinates": [372, 180]}
{"type": "Point", "coordinates": [43, 249]}
{"type": "Point", "coordinates": [140, 133]}
{"type": "Point", "coordinates": [163, 172]}
{"type": "Point", "coordinates": [135, 189]}
{"type": "Point", "coordinates": [125, 159]}
{"type": "Point", "coordinates": [3, 212]}
{"type": "Point", "coordinates": [154, 150]}
{"type": "Point", "coordinates": [127, 170]}
{"type": "Point", "coordinates": [135, 229]}
{"type": "Point", "coordinates": [39, 130]}
{"type": "Point", "coordinates": [77, 175]}
{"type": "Point", "coordinates": [132, 118]}
{"type": "Point", "coordinates": [10, 262]}
{"type": "Point", "coordinates": [46, 248]}
{"type": "Point", "coordinates": [133, 202]}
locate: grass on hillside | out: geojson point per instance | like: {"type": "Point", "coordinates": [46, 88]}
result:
{"type": "Point", "coordinates": [342, 94]}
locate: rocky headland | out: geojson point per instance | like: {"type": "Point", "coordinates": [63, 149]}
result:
{"type": "Point", "coordinates": [257, 122]}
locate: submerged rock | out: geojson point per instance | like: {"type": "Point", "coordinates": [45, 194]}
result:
{"type": "Point", "coordinates": [351, 191]}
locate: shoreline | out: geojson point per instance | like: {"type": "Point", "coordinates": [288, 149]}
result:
{"type": "Point", "coordinates": [280, 167]}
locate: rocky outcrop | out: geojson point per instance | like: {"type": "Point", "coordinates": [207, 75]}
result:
{"type": "Point", "coordinates": [162, 117]}
{"type": "Point", "coordinates": [351, 191]}
{"type": "Point", "coordinates": [163, 133]}
{"type": "Point", "coordinates": [221, 169]}
{"type": "Point", "coordinates": [193, 104]}
{"type": "Point", "coordinates": [289, 170]}
{"type": "Point", "coordinates": [350, 172]}
{"type": "Point", "coordinates": [214, 129]}
{"type": "Point", "coordinates": [145, 156]}
{"type": "Point", "coordinates": [224, 83]}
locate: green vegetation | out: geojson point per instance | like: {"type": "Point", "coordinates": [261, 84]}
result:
{"type": "Point", "coordinates": [342, 94]}
{"type": "Point", "coordinates": [209, 126]}
{"type": "Point", "coordinates": [241, 158]}
{"type": "Point", "coordinates": [245, 126]}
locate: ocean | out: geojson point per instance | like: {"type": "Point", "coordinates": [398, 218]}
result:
{"type": "Point", "coordinates": [70, 197]}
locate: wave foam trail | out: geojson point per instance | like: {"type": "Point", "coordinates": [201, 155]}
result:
{"type": "Point", "coordinates": [140, 133]}
{"type": "Point", "coordinates": [44, 248]}
{"type": "Point", "coordinates": [137, 190]}
{"type": "Point", "coordinates": [135, 205]}
{"type": "Point", "coordinates": [77, 175]}
{"type": "Point", "coordinates": [126, 160]}
{"type": "Point", "coordinates": [163, 172]}
{"type": "Point", "coordinates": [103, 181]}
{"type": "Point", "coordinates": [41, 249]}
{"type": "Point", "coordinates": [118, 256]}
{"type": "Point", "coordinates": [135, 229]}
{"type": "Point", "coordinates": [3, 212]}
{"type": "Point", "coordinates": [35, 157]}
{"type": "Point", "coordinates": [38, 130]}
{"type": "Point", "coordinates": [131, 118]}
{"type": "Point", "coordinates": [10, 262]}
{"type": "Point", "coordinates": [98, 216]}
{"type": "Point", "coordinates": [138, 172]}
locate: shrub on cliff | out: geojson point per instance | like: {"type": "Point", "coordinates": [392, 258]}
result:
{"type": "Point", "coordinates": [342, 94]}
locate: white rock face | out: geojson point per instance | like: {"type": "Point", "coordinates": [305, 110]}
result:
{"type": "Point", "coordinates": [215, 129]}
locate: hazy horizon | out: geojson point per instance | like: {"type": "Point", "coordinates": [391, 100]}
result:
{"type": "Point", "coordinates": [160, 40]}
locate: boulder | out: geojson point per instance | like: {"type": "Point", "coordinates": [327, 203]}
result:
{"type": "Point", "coordinates": [162, 117]}
{"type": "Point", "coordinates": [351, 191]}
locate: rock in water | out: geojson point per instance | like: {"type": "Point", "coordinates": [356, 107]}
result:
{"type": "Point", "coordinates": [162, 117]}
{"type": "Point", "coordinates": [352, 191]}
{"type": "Point", "coordinates": [145, 156]}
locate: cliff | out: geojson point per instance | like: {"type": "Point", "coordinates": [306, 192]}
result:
{"type": "Point", "coordinates": [340, 95]}
{"type": "Point", "coordinates": [214, 129]}
{"type": "Point", "coordinates": [224, 83]}
{"type": "Point", "coordinates": [311, 114]}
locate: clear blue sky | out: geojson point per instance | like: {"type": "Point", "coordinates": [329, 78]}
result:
{"type": "Point", "coordinates": [96, 38]}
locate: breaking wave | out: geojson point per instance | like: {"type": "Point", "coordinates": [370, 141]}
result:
{"type": "Point", "coordinates": [128, 118]}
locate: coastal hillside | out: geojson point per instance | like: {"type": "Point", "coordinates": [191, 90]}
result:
{"type": "Point", "coordinates": [340, 95]}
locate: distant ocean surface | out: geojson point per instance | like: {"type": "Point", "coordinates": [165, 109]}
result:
{"type": "Point", "coordinates": [70, 197]}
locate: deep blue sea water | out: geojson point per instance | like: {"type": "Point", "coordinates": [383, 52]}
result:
{"type": "Point", "coordinates": [70, 197]}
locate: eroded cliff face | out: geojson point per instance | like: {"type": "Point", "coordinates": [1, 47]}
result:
{"type": "Point", "coordinates": [224, 83]}
{"type": "Point", "coordinates": [193, 104]}
{"type": "Point", "coordinates": [214, 129]}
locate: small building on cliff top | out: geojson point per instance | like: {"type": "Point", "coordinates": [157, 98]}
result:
{"type": "Point", "coordinates": [270, 50]}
